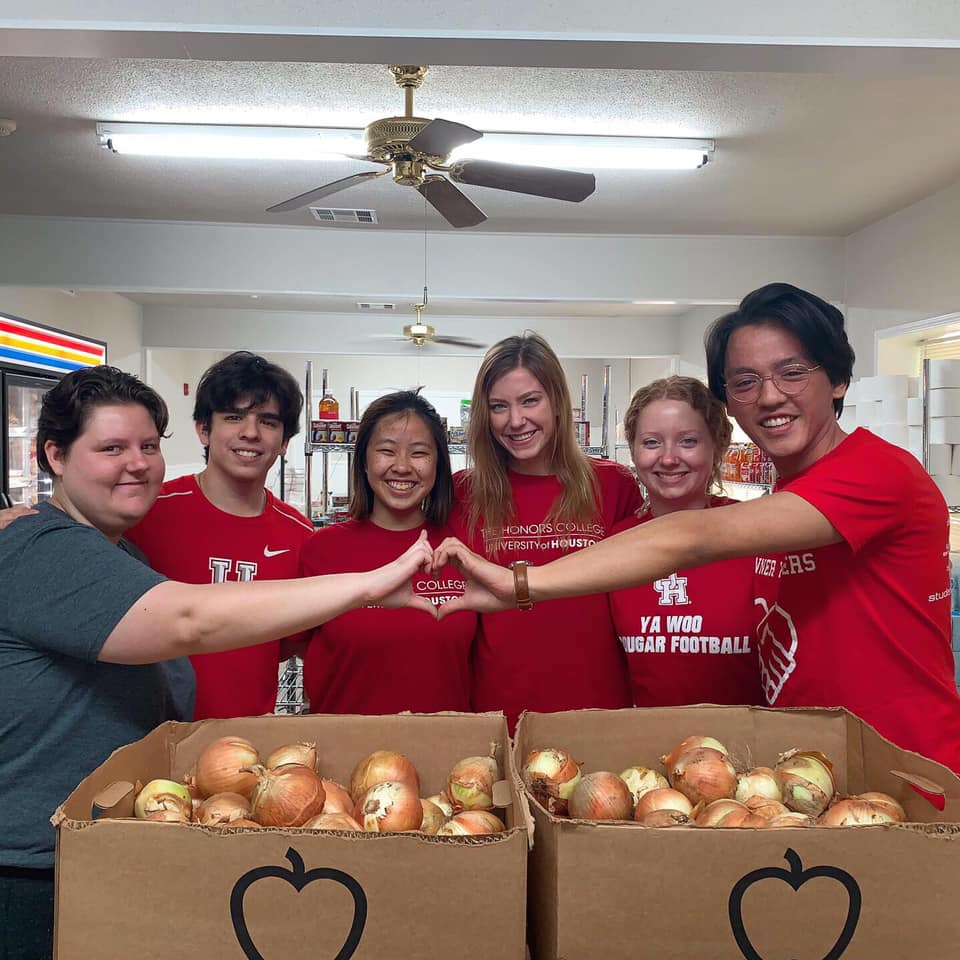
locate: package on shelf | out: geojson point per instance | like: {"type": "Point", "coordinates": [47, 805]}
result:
{"type": "Point", "coordinates": [868, 412]}
{"type": "Point", "coordinates": [746, 463]}
{"type": "Point", "coordinates": [915, 411]}
{"type": "Point", "coordinates": [456, 434]}
{"type": "Point", "coordinates": [944, 402]}
{"type": "Point", "coordinates": [949, 487]}
{"type": "Point", "coordinates": [944, 430]}
{"type": "Point", "coordinates": [893, 410]}
{"type": "Point", "coordinates": [232, 893]}
{"type": "Point", "coordinates": [943, 374]}
{"type": "Point", "coordinates": [888, 387]}
{"type": "Point", "coordinates": [334, 431]}
{"type": "Point", "coordinates": [614, 889]}
{"type": "Point", "coordinates": [940, 458]}
{"type": "Point", "coordinates": [895, 433]}
{"type": "Point", "coordinates": [848, 419]}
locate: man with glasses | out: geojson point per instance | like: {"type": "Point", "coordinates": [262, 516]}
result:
{"type": "Point", "coordinates": [852, 576]}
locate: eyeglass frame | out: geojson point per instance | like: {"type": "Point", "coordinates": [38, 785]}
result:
{"type": "Point", "coordinates": [776, 382]}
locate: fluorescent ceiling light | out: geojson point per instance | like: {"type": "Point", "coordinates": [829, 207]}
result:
{"type": "Point", "coordinates": [322, 143]}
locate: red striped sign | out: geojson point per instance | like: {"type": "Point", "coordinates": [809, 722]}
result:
{"type": "Point", "coordinates": [31, 345]}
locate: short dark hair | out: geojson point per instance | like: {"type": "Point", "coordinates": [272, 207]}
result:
{"type": "Point", "coordinates": [817, 324]}
{"type": "Point", "coordinates": [67, 407]}
{"type": "Point", "coordinates": [440, 500]}
{"type": "Point", "coordinates": [245, 374]}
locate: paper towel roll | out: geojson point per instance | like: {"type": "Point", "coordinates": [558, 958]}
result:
{"type": "Point", "coordinates": [895, 433]}
{"type": "Point", "coordinates": [868, 412]}
{"type": "Point", "coordinates": [848, 419]}
{"type": "Point", "coordinates": [944, 402]}
{"type": "Point", "coordinates": [852, 394]}
{"type": "Point", "coordinates": [915, 411]}
{"type": "Point", "coordinates": [894, 410]}
{"type": "Point", "coordinates": [945, 430]}
{"type": "Point", "coordinates": [944, 373]}
{"type": "Point", "coordinates": [949, 487]}
{"type": "Point", "coordinates": [913, 387]}
{"type": "Point", "coordinates": [955, 462]}
{"type": "Point", "coordinates": [878, 388]}
{"type": "Point", "coordinates": [915, 438]}
{"type": "Point", "coordinates": [939, 458]}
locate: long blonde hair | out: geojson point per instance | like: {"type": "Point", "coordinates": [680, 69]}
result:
{"type": "Point", "coordinates": [491, 497]}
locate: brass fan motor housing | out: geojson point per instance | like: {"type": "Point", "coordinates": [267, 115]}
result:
{"type": "Point", "coordinates": [419, 332]}
{"type": "Point", "coordinates": [389, 137]}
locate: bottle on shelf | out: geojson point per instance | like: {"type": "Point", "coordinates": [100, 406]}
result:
{"type": "Point", "coordinates": [329, 407]}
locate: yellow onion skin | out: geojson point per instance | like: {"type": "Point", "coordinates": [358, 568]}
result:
{"type": "Point", "coordinates": [854, 812]}
{"type": "Point", "coordinates": [885, 801]}
{"type": "Point", "coordinates": [333, 821]}
{"type": "Point", "coordinates": [758, 782]}
{"type": "Point", "coordinates": [470, 784]}
{"type": "Point", "coordinates": [389, 807]}
{"type": "Point", "coordinates": [443, 802]}
{"type": "Point", "coordinates": [806, 779]}
{"type": "Point", "coordinates": [162, 815]}
{"type": "Point", "coordinates": [382, 766]}
{"type": "Point", "coordinates": [433, 817]}
{"type": "Point", "coordinates": [338, 799]}
{"type": "Point", "coordinates": [300, 752]}
{"type": "Point", "coordinates": [666, 818]}
{"type": "Point", "coordinates": [765, 807]}
{"type": "Point", "coordinates": [710, 814]}
{"type": "Point", "coordinates": [601, 796]}
{"type": "Point", "coordinates": [641, 779]}
{"type": "Point", "coordinates": [690, 743]}
{"type": "Point", "coordinates": [790, 819]}
{"type": "Point", "coordinates": [287, 797]}
{"type": "Point", "coordinates": [743, 818]}
{"type": "Point", "coordinates": [551, 776]}
{"type": "Point", "coordinates": [471, 823]}
{"type": "Point", "coordinates": [662, 798]}
{"type": "Point", "coordinates": [222, 808]}
{"type": "Point", "coordinates": [703, 774]}
{"type": "Point", "coordinates": [224, 767]}
{"type": "Point", "coordinates": [163, 795]}
{"type": "Point", "coordinates": [242, 822]}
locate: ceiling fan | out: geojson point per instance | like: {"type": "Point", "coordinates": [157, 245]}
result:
{"type": "Point", "coordinates": [411, 147]}
{"type": "Point", "coordinates": [420, 333]}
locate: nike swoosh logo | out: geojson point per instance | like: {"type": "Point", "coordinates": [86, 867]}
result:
{"type": "Point", "coordinates": [267, 552]}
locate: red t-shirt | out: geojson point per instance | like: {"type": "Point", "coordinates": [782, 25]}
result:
{"type": "Point", "coordinates": [562, 654]}
{"type": "Point", "coordinates": [689, 638]}
{"type": "Point", "coordinates": [373, 660]}
{"type": "Point", "coordinates": [865, 623]}
{"type": "Point", "coordinates": [187, 538]}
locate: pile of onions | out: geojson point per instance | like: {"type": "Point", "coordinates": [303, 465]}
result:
{"type": "Point", "coordinates": [551, 776]}
{"type": "Point", "coordinates": [286, 797]}
{"type": "Point", "coordinates": [471, 822]}
{"type": "Point", "coordinates": [641, 779]}
{"type": "Point", "coordinates": [379, 767]}
{"type": "Point", "coordinates": [662, 798]}
{"type": "Point", "coordinates": [758, 782]}
{"type": "Point", "coordinates": [860, 811]}
{"type": "Point", "coordinates": [300, 752]}
{"type": "Point", "coordinates": [389, 807]}
{"type": "Point", "coordinates": [701, 770]}
{"type": "Point", "coordinates": [225, 766]}
{"type": "Point", "coordinates": [470, 784]}
{"type": "Point", "coordinates": [433, 817]}
{"type": "Point", "coordinates": [764, 807]}
{"type": "Point", "coordinates": [806, 779]}
{"type": "Point", "coordinates": [164, 800]}
{"type": "Point", "coordinates": [442, 801]}
{"type": "Point", "coordinates": [223, 808]}
{"type": "Point", "coordinates": [601, 796]}
{"type": "Point", "coordinates": [338, 800]}
{"type": "Point", "coordinates": [665, 818]}
{"type": "Point", "coordinates": [333, 821]}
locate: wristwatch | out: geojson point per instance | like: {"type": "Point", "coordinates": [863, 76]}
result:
{"type": "Point", "coordinates": [520, 586]}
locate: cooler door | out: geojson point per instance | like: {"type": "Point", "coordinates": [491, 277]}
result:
{"type": "Point", "coordinates": [22, 481]}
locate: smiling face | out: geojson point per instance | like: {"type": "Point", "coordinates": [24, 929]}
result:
{"type": "Point", "coordinates": [795, 431]}
{"type": "Point", "coordinates": [522, 421]}
{"type": "Point", "coordinates": [243, 443]}
{"type": "Point", "coordinates": [111, 474]}
{"type": "Point", "coordinates": [673, 453]}
{"type": "Point", "coordinates": [401, 469]}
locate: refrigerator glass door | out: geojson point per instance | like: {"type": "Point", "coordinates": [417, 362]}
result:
{"type": "Point", "coordinates": [24, 483]}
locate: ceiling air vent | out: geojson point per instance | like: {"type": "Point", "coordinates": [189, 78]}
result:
{"type": "Point", "coordinates": [337, 215]}
{"type": "Point", "coordinates": [369, 305]}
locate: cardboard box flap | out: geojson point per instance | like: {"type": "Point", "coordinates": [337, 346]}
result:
{"type": "Point", "coordinates": [114, 800]}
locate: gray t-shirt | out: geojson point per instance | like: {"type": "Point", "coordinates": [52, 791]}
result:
{"type": "Point", "coordinates": [63, 588]}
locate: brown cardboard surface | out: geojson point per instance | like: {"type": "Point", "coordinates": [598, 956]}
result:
{"type": "Point", "coordinates": [127, 887]}
{"type": "Point", "coordinates": [620, 890]}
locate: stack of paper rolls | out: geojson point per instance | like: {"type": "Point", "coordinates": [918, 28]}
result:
{"type": "Point", "coordinates": [943, 440]}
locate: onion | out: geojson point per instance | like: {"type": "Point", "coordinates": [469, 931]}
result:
{"type": "Point", "coordinates": [389, 807]}
{"type": "Point", "coordinates": [806, 779]}
{"type": "Point", "coordinates": [301, 752]}
{"type": "Point", "coordinates": [665, 818]}
{"type": "Point", "coordinates": [790, 819]}
{"type": "Point", "coordinates": [854, 812]}
{"type": "Point", "coordinates": [470, 784]}
{"type": "Point", "coordinates": [333, 821]}
{"type": "Point", "coordinates": [195, 795]}
{"type": "Point", "coordinates": [691, 743]}
{"type": "Point", "coordinates": [163, 795]}
{"type": "Point", "coordinates": [743, 818]}
{"type": "Point", "coordinates": [765, 807]}
{"type": "Point", "coordinates": [662, 798]}
{"type": "Point", "coordinates": [163, 815]}
{"type": "Point", "coordinates": [443, 802]}
{"type": "Point", "coordinates": [471, 822]}
{"type": "Point", "coordinates": [885, 801]}
{"type": "Point", "coordinates": [242, 822]}
{"type": "Point", "coordinates": [551, 775]}
{"type": "Point", "coordinates": [703, 774]}
{"type": "Point", "coordinates": [337, 797]}
{"type": "Point", "coordinates": [224, 767]}
{"type": "Point", "coordinates": [641, 779]}
{"type": "Point", "coordinates": [710, 814]}
{"type": "Point", "coordinates": [759, 782]}
{"type": "Point", "coordinates": [433, 817]}
{"type": "Point", "coordinates": [287, 797]}
{"type": "Point", "coordinates": [222, 808]}
{"type": "Point", "coordinates": [601, 796]}
{"type": "Point", "coordinates": [379, 767]}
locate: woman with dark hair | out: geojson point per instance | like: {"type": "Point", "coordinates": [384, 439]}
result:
{"type": "Point", "coordinates": [852, 579]}
{"type": "Point", "coordinates": [532, 495]}
{"type": "Point", "coordinates": [372, 660]}
{"type": "Point", "coordinates": [85, 625]}
{"type": "Point", "coordinates": [689, 637]}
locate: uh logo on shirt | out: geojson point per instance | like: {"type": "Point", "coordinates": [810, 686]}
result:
{"type": "Point", "coordinates": [672, 590]}
{"type": "Point", "coordinates": [221, 568]}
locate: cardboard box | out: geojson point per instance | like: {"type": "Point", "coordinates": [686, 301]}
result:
{"type": "Point", "coordinates": [621, 890]}
{"type": "Point", "coordinates": [133, 888]}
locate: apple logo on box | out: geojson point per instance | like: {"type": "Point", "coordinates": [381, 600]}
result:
{"type": "Point", "coordinates": [796, 876]}
{"type": "Point", "coordinates": [298, 878]}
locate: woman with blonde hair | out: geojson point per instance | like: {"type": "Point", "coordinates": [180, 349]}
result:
{"type": "Point", "coordinates": [689, 637]}
{"type": "Point", "coordinates": [530, 496]}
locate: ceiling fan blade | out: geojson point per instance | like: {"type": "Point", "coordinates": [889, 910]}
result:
{"type": "Point", "coordinates": [452, 204]}
{"type": "Point", "coordinates": [303, 199]}
{"type": "Point", "coordinates": [536, 181]}
{"type": "Point", "coordinates": [439, 137]}
{"type": "Point", "coordinates": [460, 342]}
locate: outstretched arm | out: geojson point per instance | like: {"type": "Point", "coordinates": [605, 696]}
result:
{"type": "Point", "coordinates": [8, 515]}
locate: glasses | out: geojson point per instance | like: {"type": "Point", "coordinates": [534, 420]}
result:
{"type": "Point", "coordinates": [745, 387]}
